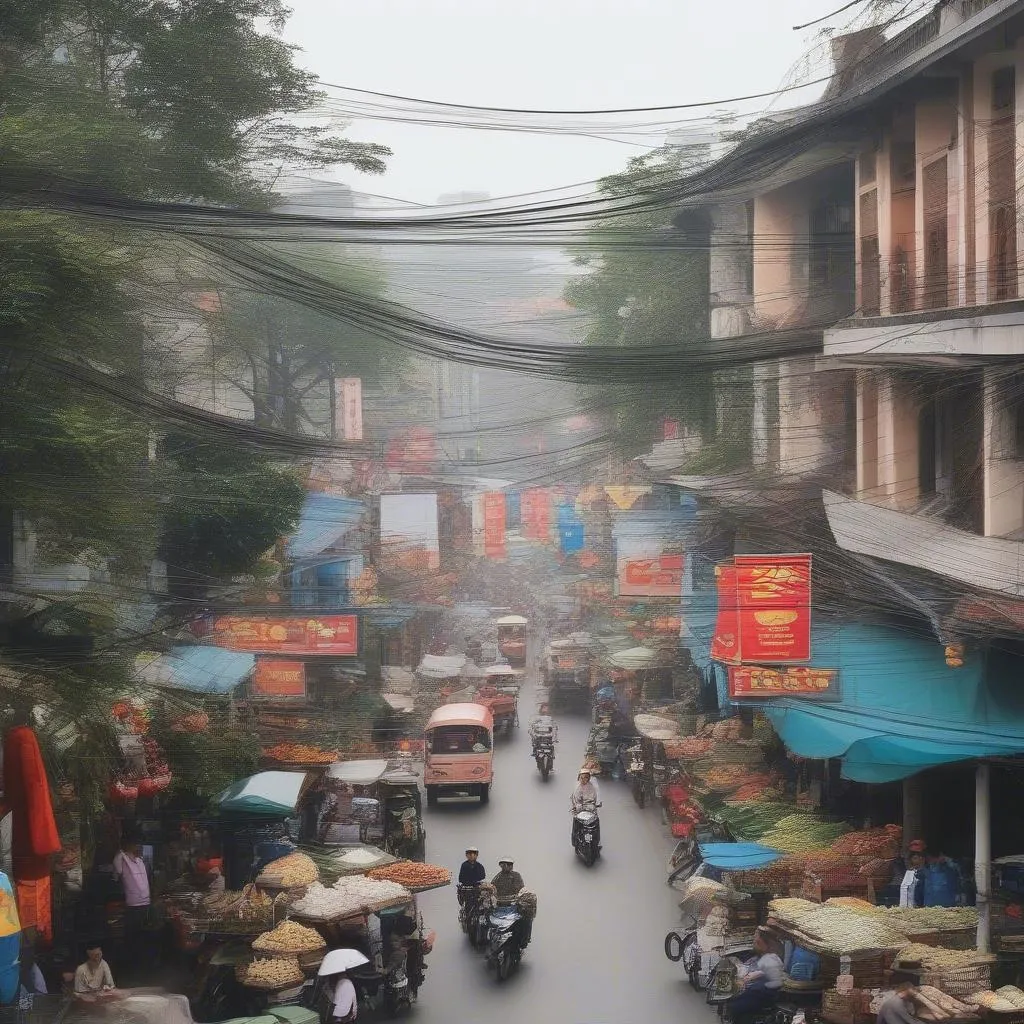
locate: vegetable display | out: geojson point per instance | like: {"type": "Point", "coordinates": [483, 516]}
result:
{"type": "Point", "coordinates": [798, 833]}
{"type": "Point", "coordinates": [300, 753]}
{"type": "Point", "coordinates": [834, 930]}
{"type": "Point", "coordinates": [883, 843]}
{"type": "Point", "coordinates": [348, 897]}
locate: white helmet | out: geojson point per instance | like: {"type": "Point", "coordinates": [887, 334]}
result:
{"type": "Point", "coordinates": [505, 860]}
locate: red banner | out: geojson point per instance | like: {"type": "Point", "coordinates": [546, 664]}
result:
{"type": "Point", "coordinates": [536, 514]}
{"type": "Point", "coordinates": [725, 644]}
{"type": "Point", "coordinates": [651, 577]}
{"type": "Point", "coordinates": [275, 677]}
{"type": "Point", "coordinates": [494, 524]}
{"type": "Point", "coordinates": [756, 681]}
{"type": "Point", "coordinates": [334, 635]}
{"type": "Point", "coordinates": [774, 599]}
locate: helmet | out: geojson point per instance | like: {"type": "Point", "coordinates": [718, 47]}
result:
{"type": "Point", "coordinates": [505, 860]}
{"type": "Point", "coordinates": [472, 849]}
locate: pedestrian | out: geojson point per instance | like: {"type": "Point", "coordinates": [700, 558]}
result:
{"type": "Point", "coordinates": [912, 883]}
{"type": "Point", "coordinates": [943, 882]}
{"type": "Point", "coordinates": [895, 1008]}
{"type": "Point", "coordinates": [133, 873]}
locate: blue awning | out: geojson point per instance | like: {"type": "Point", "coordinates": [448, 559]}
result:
{"type": "Point", "coordinates": [325, 521]}
{"type": "Point", "coordinates": [902, 709]}
{"type": "Point", "coordinates": [200, 669]}
{"type": "Point", "coordinates": [738, 856]}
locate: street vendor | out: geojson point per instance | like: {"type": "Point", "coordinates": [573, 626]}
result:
{"type": "Point", "coordinates": [763, 980]}
{"type": "Point", "coordinates": [93, 980]}
{"type": "Point", "coordinates": [895, 1008]}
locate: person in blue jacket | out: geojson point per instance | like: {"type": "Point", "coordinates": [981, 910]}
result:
{"type": "Point", "coordinates": [943, 882]}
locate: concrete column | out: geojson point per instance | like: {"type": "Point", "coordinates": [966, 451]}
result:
{"type": "Point", "coordinates": [983, 852]}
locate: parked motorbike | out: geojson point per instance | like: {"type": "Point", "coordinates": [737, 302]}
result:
{"type": "Point", "coordinates": [585, 837]}
{"type": "Point", "coordinates": [507, 939]}
{"type": "Point", "coordinates": [473, 913]}
{"type": "Point", "coordinates": [544, 755]}
{"type": "Point", "coordinates": [636, 772]}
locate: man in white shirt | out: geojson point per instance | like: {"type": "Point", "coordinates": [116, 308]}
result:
{"type": "Point", "coordinates": [585, 794]}
{"type": "Point", "coordinates": [130, 869]}
{"type": "Point", "coordinates": [93, 979]}
{"type": "Point", "coordinates": [344, 1006]}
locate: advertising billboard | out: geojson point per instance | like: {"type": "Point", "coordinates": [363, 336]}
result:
{"type": "Point", "coordinates": [276, 677]}
{"type": "Point", "coordinates": [757, 682]}
{"type": "Point", "coordinates": [335, 635]}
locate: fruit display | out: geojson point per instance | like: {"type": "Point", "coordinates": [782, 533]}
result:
{"type": "Point", "coordinates": [289, 937]}
{"type": "Point", "coordinates": [275, 973]}
{"type": "Point", "coordinates": [300, 753]}
{"type": "Point", "coordinates": [291, 871]}
{"type": "Point", "coordinates": [799, 833]}
{"type": "Point", "coordinates": [412, 875]}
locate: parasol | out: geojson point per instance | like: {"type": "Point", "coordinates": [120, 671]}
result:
{"type": "Point", "coordinates": [339, 960]}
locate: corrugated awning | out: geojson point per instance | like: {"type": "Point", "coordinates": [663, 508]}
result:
{"type": "Point", "coordinates": [198, 669]}
{"type": "Point", "coordinates": [325, 521]}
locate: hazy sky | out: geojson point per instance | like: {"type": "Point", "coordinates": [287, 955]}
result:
{"type": "Point", "coordinates": [547, 54]}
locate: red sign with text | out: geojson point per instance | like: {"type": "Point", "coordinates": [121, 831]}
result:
{"type": "Point", "coordinates": [725, 644]}
{"type": "Point", "coordinates": [334, 635]}
{"type": "Point", "coordinates": [536, 514]}
{"type": "Point", "coordinates": [494, 524]}
{"type": "Point", "coordinates": [275, 677]}
{"type": "Point", "coordinates": [757, 681]}
{"type": "Point", "coordinates": [774, 599]}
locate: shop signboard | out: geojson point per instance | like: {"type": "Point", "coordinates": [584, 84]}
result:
{"type": "Point", "coordinates": [644, 569]}
{"type": "Point", "coordinates": [764, 610]}
{"type": "Point", "coordinates": [478, 525]}
{"type": "Point", "coordinates": [327, 635]}
{"type": "Point", "coordinates": [494, 524]}
{"type": "Point", "coordinates": [774, 598]}
{"type": "Point", "coordinates": [277, 677]}
{"type": "Point", "coordinates": [571, 534]}
{"type": "Point", "coordinates": [348, 408]}
{"type": "Point", "coordinates": [536, 514]}
{"type": "Point", "coordinates": [756, 682]}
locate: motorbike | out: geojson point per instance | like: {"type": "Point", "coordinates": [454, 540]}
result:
{"type": "Point", "coordinates": [544, 755]}
{"type": "Point", "coordinates": [506, 940]}
{"type": "Point", "coordinates": [784, 1008]}
{"type": "Point", "coordinates": [585, 838]}
{"type": "Point", "coordinates": [636, 772]}
{"type": "Point", "coordinates": [473, 913]}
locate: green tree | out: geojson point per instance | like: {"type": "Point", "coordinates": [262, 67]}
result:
{"type": "Point", "coordinates": [647, 285]}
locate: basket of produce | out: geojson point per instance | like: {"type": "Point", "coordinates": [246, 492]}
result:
{"type": "Point", "coordinates": [271, 974]}
{"type": "Point", "coordinates": [880, 843]}
{"type": "Point", "coordinates": [290, 939]}
{"type": "Point", "coordinates": [235, 913]}
{"type": "Point", "coordinates": [299, 754]}
{"type": "Point", "coordinates": [800, 833]}
{"type": "Point", "coordinates": [935, 1005]}
{"type": "Point", "coordinates": [352, 896]}
{"type": "Point", "coordinates": [355, 859]}
{"type": "Point", "coordinates": [294, 871]}
{"type": "Point", "coordinates": [414, 876]}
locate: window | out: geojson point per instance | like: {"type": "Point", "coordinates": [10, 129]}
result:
{"type": "Point", "coordinates": [459, 739]}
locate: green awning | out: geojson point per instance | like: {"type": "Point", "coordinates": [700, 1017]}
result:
{"type": "Point", "coordinates": [266, 794]}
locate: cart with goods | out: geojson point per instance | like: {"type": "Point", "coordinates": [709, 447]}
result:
{"type": "Point", "coordinates": [718, 920]}
{"type": "Point", "coordinates": [567, 669]}
{"type": "Point", "coordinates": [511, 631]}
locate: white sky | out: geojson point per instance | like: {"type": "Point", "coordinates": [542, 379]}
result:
{"type": "Point", "coordinates": [546, 54]}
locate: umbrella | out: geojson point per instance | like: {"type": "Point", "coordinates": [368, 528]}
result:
{"type": "Point", "coordinates": [339, 960]}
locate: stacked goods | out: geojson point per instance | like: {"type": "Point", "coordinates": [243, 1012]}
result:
{"type": "Point", "coordinates": [879, 843]}
{"type": "Point", "coordinates": [293, 871]}
{"type": "Point", "coordinates": [956, 972]}
{"type": "Point", "coordinates": [933, 1004]}
{"type": "Point", "coordinates": [526, 902]}
{"type": "Point", "coordinates": [373, 895]}
{"type": "Point", "coordinates": [271, 974]}
{"type": "Point", "coordinates": [932, 920]}
{"type": "Point", "coordinates": [799, 833]}
{"type": "Point", "coordinates": [300, 753]}
{"type": "Point", "coordinates": [758, 787]}
{"type": "Point", "coordinates": [998, 1001]}
{"type": "Point", "coordinates": [412, 875]}
{"type": "Point", "coordinates": [241, 912]}
{"type": "Point", "coordinates": [323, 904]}
{"type": "Point", "coordinates": [289, 938]}
{"type": "Point", "coordinates": [774, 879]}
{"type": "Point", "coordinates": [689, 748]}
{"type": "Point", "coordinates": [833, 930]}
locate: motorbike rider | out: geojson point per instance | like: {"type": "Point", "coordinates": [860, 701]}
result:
{"type": "Point", "coordinates": [508, 883]}
{"type": "Point", "coordinates": [585, 794]}
{"type": "Point", "coordinates": [543, 726]}
{"type": "Point", "coordinates": [472, 871]}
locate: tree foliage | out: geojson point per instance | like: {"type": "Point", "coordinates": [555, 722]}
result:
{"type": "Point", "coordinates": [646, 294]}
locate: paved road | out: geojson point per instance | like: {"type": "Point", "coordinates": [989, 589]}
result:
{"type": "Point", "coordinates": [596, 955]}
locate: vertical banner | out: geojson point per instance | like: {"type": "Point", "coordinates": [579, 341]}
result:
{"type": "Point", "coordinates": [570, 530]}
{"type": "Point", "coordinates": [774, 600]}
{"type": "Point", "coordinates": [536, 514]}
{"type": "Point", "coordinates": [494, 524]}
{"type": "Point", "coordinates": [348, 408]}
{"type": "Point", "coordinates": [478, 525]}
{"type": "Point", "coordinates": [725, 644]}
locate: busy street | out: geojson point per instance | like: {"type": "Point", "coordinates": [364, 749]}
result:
{"type": "Point", "coordinates": [603, 922]}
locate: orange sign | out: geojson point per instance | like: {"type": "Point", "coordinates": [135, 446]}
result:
{"type": "Point", "coordinates": [651, 577]}
{"type": "Point", "coordinates": [334, 635]}
{"type": "Point", "coordinates": [275, 677]}
{"type": "Point", "coordinates": [494, 524]}
{"type": "Point", "coordinates": [725, 644]}
{"type": "Point", "coordinates": [754, 681]}
{"type": "Point", "coordinates": [773, 594]}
